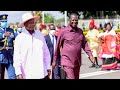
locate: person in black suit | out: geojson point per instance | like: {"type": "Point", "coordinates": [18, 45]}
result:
{"type": "Point", "coordinates": [51, 43]}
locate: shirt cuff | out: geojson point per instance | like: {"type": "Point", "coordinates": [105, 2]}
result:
{"type": "Point", "coordinates": [3, 36]}
{"type": "Point", "coordinates": [48, 67]}
{"type": "Point", "coordinates": [18, 71]}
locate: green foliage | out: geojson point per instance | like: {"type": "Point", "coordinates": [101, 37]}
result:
{"type": "Point", "coordinates": [17, 23]}
{"type": "Point", "coordinates": [85, 32]}
{"type": "Point", "coordinates": [96, 14]}
{"type": "Point", "coordinates": [49, 18]}
{"type": "Point", "coordinates": [60, 20]}
{"type": "Point", "coordinates": [37, 13]}
{"type": "Point", "coordinates": [11, 24]}
{"type": "Point", "coordinates": [117, 30]}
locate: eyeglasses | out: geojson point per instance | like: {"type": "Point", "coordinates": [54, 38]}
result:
{"type": "Point", "coordinates": [52, 29]}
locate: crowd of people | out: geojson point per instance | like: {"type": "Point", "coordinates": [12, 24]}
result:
{"type": "Point", "coordinates": [47, 53]}
{"type": "Point", "coordinates": [105, 46]}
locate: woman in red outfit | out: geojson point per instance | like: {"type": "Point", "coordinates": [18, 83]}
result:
{"type": "Point", "coordinates": [109, 50]}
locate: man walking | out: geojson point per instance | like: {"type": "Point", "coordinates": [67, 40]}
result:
{"type": "Point", "coordinates": [72, 40]}
{"type": "Point", "coordinates": [31, 54]}
{"type": "Point", "coordinates": [93, 36]}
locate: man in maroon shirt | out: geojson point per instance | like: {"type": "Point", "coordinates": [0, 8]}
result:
{"type": "Point", "coordinates": [72, 40]}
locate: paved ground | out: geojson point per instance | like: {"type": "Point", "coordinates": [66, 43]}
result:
{"type": "Point", "coordinates": [102, 75]}
{"type": "Point", "coordinates": [93, 73]}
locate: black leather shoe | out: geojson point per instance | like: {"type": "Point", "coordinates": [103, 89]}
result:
{"type": "Point", "coordinates": [97, 66]}
{"type": "Point", "coordinates": [92, 66]}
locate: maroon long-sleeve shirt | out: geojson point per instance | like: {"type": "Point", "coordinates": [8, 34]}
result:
{"type": "Point", "coordinates": [72, 42]}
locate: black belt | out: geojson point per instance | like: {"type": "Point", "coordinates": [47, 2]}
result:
{"type": "Point", "coordinates": [8, 48]}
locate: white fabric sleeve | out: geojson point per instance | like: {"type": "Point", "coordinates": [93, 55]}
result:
{"type": "Point", "coordinates": [46, 55]}
{"type": "Point", "coordinates": [17, 56]}
{"type": "Point", "coordinates": [3, 36]}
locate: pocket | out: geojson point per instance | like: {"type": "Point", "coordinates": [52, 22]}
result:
{"type": "Point", "coordinates": [69, 38]}
{"type": "Point", "coordinates": [79, 39]}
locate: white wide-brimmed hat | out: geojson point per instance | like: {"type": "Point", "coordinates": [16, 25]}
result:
{"type": "Point", "coordinates": [26, 17]}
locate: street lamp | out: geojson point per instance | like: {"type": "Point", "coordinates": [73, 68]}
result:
{"type": "Point", "coordinates": [65, 18]}
{"type": "Point", "coordinates": [43, 17]}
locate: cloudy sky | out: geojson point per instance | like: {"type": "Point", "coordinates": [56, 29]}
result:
{"type": "Point", "coordinates": [56, 14]}
{"type": "Point", "coordinates": [16, 16]}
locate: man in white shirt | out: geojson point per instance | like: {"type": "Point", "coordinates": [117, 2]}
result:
{"type": "Point", "coordinates": [31, 54]}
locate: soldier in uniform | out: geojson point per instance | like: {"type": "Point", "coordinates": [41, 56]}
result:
{"type": "Point", "coordinates": [6, 48]}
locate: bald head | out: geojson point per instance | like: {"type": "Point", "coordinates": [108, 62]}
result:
{"type": "Point", "coordinates": [73, 19]}
{"type": "Point", "coordinates": [73, 14]}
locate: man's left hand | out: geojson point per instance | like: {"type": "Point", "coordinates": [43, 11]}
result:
{"type": "Point", "coordinates": [49, 73]}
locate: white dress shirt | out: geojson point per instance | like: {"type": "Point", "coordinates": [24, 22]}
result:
{"type": "Point", "coordinates": [31, 55]}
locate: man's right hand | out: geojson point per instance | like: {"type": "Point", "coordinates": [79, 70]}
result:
{"type": "Point", "coordinates": [7, 34]}
{"type": "Point", "coordinates": [19, 76]}
{"type": "Point", "coordinates": [53, 65]}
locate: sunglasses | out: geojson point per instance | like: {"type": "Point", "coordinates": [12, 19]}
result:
{"type": "Point", "coordinates": [52, 29]}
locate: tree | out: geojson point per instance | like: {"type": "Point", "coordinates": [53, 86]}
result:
{"type": "Point", "coordinates": [96, 14]}
{"type": "Point", "coordinates": [49, 18]}
{"type": "Point", "coordinates": [60, 20]}
{"type": "Point", "coordinates": [17, 23]}
{"type": "Point", "coordinates": [11, 23]}
{"type": "Point", "coordinates": [37, 13]}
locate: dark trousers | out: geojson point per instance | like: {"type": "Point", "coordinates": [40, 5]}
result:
{"type": "Point", "coordinates": [10, 70]}
{"type": "Point", "coordinates": [46, 77]}
{"type": "Point", "coordinates": [0, 70]}
{"type": "Point", "coordinates": [56, 72]}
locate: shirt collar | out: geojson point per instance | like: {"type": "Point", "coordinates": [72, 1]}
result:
{"type": "Point", "coordinates": [70, 28]}
{"type": "Point", "coordinates": [28, 32]}
{"type": "Point", "coordinates": [51, 35]}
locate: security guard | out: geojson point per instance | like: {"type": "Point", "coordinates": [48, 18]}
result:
{"type": "Point", "coordinates": [6, 48]}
